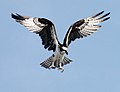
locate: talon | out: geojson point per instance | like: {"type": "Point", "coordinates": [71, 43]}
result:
{"type": "Point", "coordinates": [52, 66]}
{"type": "Point", "coordinates": [61, 69]}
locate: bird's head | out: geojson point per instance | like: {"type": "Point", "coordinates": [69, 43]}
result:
{"type": "Point", "coordinates": [63, 48]}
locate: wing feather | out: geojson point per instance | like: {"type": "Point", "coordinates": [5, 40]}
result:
{"type": "Point", "coordinates": [84, 27]}
{"type": "Point", "coordinates": [44, 27]}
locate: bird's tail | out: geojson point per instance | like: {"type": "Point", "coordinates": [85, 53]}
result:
{"type": "Point", "coordinates": [47, 63]}
{"type": "Point", "coordinates": [51, 63]}
{"type": "Point", "coordinates": [66, 61]}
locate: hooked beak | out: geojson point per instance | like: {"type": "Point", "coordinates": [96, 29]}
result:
{"type": "Point", "coordinates": [66, 52]}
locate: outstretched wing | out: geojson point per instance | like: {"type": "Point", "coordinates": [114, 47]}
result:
{"type": "Point", "coordinates": [84, 27]}
{"type": "Point", "coordinates": [41, 26]}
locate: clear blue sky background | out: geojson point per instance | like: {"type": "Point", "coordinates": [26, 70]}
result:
{"type": "Point", "coordinates": [96, 59]}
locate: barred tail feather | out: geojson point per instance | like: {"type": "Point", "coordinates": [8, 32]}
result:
{"type": "Point", "coordinates": [66, 61]}
{"type": "Point", "coordinates": [47, 63]}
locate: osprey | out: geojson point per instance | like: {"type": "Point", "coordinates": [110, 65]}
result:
{"type": "Point", "coordinates": [46, 30]}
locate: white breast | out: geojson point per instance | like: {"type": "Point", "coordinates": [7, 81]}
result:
{"type": "Point", "coordinates": [58, 55]}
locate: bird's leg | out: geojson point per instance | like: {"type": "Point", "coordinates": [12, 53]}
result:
{"type": "Point", "coordinates": [52, 66]}
{"type": "Point", "coordinates": [61, 68]}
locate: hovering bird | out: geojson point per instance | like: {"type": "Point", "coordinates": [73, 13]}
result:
{"type": "Point", "coordinates": [46, 30]}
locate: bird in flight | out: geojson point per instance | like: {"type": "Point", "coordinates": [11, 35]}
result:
{"type": "Point", "coordinates": [47, 32]}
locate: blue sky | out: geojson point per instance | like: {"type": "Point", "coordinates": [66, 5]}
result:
{"type": "Point", "coordinates": [96, 59]}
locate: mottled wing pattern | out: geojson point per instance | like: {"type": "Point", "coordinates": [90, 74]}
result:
{"type": "Point", "coordinates": [84, 27]}
{"type": "Point", "coordinates": [44, 27]}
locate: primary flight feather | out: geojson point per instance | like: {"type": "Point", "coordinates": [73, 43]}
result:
{"type": "Point", "coordinates": [46, 30]}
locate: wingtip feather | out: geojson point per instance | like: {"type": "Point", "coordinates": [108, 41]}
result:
{"type": "Point", "coordinates": [98, 14]}
{"type": "Point", "coordinates": [102, 12]}
{"type": "Point", "coordinates": [17, 16]}
{"type": "Point", "coordinates": [13, 15]}
{"type": "Point", "coordinates": [105, 19]}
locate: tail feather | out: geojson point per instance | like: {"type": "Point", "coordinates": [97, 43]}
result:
{"type": "Point", "coordinates": [66, 61]}
{"type": "Point", "coordinates": [51, 63]}
{"type": "Point", "coordinates": [47, 63]}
